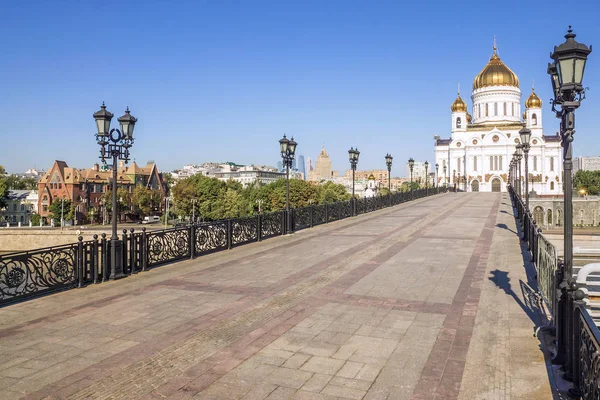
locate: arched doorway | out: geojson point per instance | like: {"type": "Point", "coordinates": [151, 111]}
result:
{"type": "Point", "coordinates": [538, 215]}
{"type": "Point", "coordinates": [496, 185]}
{"type": "Point", "coordinates": [549, 217]}
{"type": "Point", "coordinates": [475, 186]}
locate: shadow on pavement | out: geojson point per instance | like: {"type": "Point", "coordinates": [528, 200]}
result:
{"type": "Point", "coordinates": [530, 303]}
{"type": "Point", "coordinates": [503, 226]}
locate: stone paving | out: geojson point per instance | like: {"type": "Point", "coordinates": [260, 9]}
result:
{"type": "Point", "coordinates": [426, 300]}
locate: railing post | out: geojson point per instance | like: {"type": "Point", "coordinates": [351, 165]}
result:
{"type": "Point", "coordinates": [229, 233]}
{"type": "Point", "coordinates": [144, 249]}
{"type": "Point", "coordinates": [80, 262]}
{"type": "Point", "coordinates": [578, 306]}
{"type": "Point", "coordinates": [95, 264]}
{"type": "Point", "coordinates": [312, 215]}
{"type": "Point", "coordinates": [132, 251]}
{"type": "Point", "coordinates": [105, 257]}
{"type": "Point", "coordinates": [326, 213]}
{"type": "Point", "coordinates": [124, 240]}
{"type": "Point", "coordinates": [561, 312]}
{"type": "Point", "coordinates": [258, 228]}
{"type": "Point", "coordinates": [283, 225]}
{"type": "Point", "coordinates": [192, 236]}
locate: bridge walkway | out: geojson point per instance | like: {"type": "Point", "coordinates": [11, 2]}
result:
{"type": "Point", "coordinates": [425, 300]}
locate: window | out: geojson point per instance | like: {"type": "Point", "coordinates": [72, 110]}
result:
{"type": "Point", "coordinates": [44, 208]}
{"type": "Point", "coordinates": [458, 122]}
{"type": "Point", "coordinates": [500, 162]}
{"type": "Point", "coordinates": [534, 119]}
{"type": "Point", "coordinates": [513, 109]}
{"type": "Point", "coordinates": [496, 163]}
{"type": "Point", "coordinates": [60, 185]}
{"type": "Point", "coordinates": [551, 163]}
{"type": "Point", "coordinates": [505, 113]}
{"type": "Point", "coordinates": [551, 185]}
{"type": "Point", "coordinates": [491, 163]}
{"type": "Point", "coordinates": [22, 207]}
{"type": "Point", "coordinates": [458, 165]}
{"type": "Point", "coordinates": [495, 109]}
{"type": "Point", "coordinates": [14, 206]}
{"type": "Point", "coordinates": [479, 111]}
{"type": "Point", "coordinates": [535, 163]}
{"type": "Point", "coordinates": [487, 109]}
{"type": "Point", "coordinates": [475, 163]}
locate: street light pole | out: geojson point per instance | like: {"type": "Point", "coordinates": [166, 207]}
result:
{"type": "Point", "coordinates": [566, 75]}
{"type": "Point", "coordinates": [411, 164]}
{"type": "Point", "coordinates": [353, 157]}
{"type": "Point", "coordinates": [288, 150]}
{"type": "Point", "coordinates": [426, 177]}
{"type": "Point", "coordinates": [114, 143]}
{"type": "Point", "coordinates": [388, 162]}
{"type": "Point", "coordinates": [437, 172]}
{"type": "Point", "coordinates": [446, 177]}
{"type": "Point", "coordinates": [525, 137]}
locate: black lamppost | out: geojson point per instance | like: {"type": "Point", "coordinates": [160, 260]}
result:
{"type": "Point", "coordinates": [437, 170]}
{"type": "Point", "coordinates": [288, 149]}
{"type": "Point", "coordinates": [114, 143]}
{"type": "Point", "coordinates": [454, 178]}
{"type": "Point", "coordinates": [353, 156]}
{"type": "Point", "coordinates": [388, 162]}
{"type": "Point", "coordinates": [426, 176]}
{"type": "Point", "coordinates": [411, 164]}
{"type": "Point", "coordinates": [519, 159]}
{"type": "Point", "coordinates": [566, 74]}
{"type": "Point", "coordinates": [525, 137]}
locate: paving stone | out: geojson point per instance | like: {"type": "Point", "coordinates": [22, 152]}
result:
{"type": "Point", "coordinates": [323, 365]}
{"type": "Point", "coordinates": [290, 378]}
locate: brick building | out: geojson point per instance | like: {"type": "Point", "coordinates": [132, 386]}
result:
{"type": "Point", "coordinates": [85, 187]}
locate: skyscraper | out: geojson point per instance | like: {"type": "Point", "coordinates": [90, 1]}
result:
{"type": "Point", "coordinates": [301, 165]}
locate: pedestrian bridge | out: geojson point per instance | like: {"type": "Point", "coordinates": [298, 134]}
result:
{"type": "Point", "coordinates": [433, 298]}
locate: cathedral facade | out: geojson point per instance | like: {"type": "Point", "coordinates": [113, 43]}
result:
{"type": "Point", "coordinates": [478, 153]}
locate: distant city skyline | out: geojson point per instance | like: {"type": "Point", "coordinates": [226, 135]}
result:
{"type": "Point", "coordinates": [209, 80]}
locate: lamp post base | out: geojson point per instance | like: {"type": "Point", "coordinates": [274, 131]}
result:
{"type": "Point", "coordinates": [116, 259]}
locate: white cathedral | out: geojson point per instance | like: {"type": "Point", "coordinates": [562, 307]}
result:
{"type": "Point", "coordinates": [480, 149]}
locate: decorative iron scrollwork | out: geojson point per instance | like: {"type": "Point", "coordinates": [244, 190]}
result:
{"type": "Point", "coordinates": [211, 237]}
{"type": "Point", "coordinates": [28, 273]}
{"type": "Point", "coordinates": [168, 245]}
{"type": "Point", "coordinates": [270, 224]}
{"type": "Point", "coordinates": [243, 230]}
{"type": "Point", "coordinates": [302, 218]}
{"type": "Point", "coordinates": [320, 213]}
{"type": "Point", "coordinates": [589, 360]}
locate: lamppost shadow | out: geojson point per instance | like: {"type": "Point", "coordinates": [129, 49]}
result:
{"type": "Point", "coordinates": [530, 303]}
{"type": "Point", "coordinates": [504, 226]}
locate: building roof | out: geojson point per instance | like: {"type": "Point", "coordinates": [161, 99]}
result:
{"type": "Point", "coordinates": [17, 194]}
{"type": "Point", "coordinates": [443, 142]}
{"type": "Point", "coordinates": [552, 138]}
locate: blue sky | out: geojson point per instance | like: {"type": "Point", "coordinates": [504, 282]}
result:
{"type": "Point", "coordinates": [223, 80]}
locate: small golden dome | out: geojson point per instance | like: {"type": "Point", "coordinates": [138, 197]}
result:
{"type": "Point", "coordinates": [533, 101]}
{"type": "Point", "coordinates": [524, 114]}
{"type": "Point", "coordinates": [459, 105]}
{"type": "Point", "coordinates": [469, 118]}
{"type": "Point", "coordinates": [495, 73]}
{"type": "Point", "coordinates": [371, 177]}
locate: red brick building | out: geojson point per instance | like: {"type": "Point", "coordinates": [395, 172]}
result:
{"type": "Point", "coordinates": [85, 187]}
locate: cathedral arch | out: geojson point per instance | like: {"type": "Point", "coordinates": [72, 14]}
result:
{"type": "Point", "coordinates": [496, 185]}
{"type": "Point", "coordinates": [552, 185]}
{"type": "Point", "coordinates": [549, 219]}
{"type": "Point", "coordinates": [475, 186]}
{"type": "Point", "coordinates": [533, 119]}
{"type": "Point", "coordinates": [538, 215]}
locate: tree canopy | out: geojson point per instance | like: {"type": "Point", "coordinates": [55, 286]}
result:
{"type": "Point", "coordinates": [3, 187]}
{"type": "Point", "coordinates": [587, 180]}
{"type": "Point", "coordinates": [212, 199]}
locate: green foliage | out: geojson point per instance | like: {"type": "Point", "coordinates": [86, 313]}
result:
{"type": "Point", "coordinates": [405, 187]}
{"type": "Point", "coordinates": [169, 181]}
{"type": "Point", "coordinates": [123, 200]}
{"type": "Point", "coordinates": [383, 192]}
{"type": "Point", "coordinates": [144, 201]}
{"type": "Point", "coordinates": [61, 207]}
{"type": "Point", "coordinates": [3, 187]}
{"type": "Point", "coordinates": [35, 219]}
{"type": "Point", "coordinates": [15, 182]}
{"type": "Point", "coordinates": [588, 180]}
{"type": "Point", "coordinates": [211, 199]}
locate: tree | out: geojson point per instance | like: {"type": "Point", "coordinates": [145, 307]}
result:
{"type": "Point", "coordinates": [144, 201]}
{"type": "Point", "coordinates": [3, 187]}
{"type": "Point", "coordinates": [330, 192]}
{"type": "Point", "coordinates": [383, 192]}
{"type": "Point", "coordinates": [588, 181]}
{"type": "Point", "coordinates": [35, 219]}
{"type": "Point", "coordinates": [123, 201]}
{"type": "Point", "coordinates": [61, 207]}
{"type": "Point", "coordinates": [15, 182]}
{"type": "Point", "coordinates": [169, 181]}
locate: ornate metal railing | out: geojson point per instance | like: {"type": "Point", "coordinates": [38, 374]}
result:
{"type": "Point", "coordinates": [39, 271]}
{"type": "Point", "coordinates": [36, 272]}
{"type": "Point", "coordinates": [578, 337]}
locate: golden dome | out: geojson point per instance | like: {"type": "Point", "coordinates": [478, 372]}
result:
{"type": "Point", "coordinates": [371, 177]}
{"type": "Point", "coordinates": [495, 73]}
{"type": "Point", "coordinates": [459, 105]}
{"type": "Point", "coordinates": [469, 118]}
{"type": "Point", "coordinates": [533, 101]}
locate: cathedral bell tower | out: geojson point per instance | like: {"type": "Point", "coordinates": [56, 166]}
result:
{"type": "Point", "coordinates": [460, 116]}
{"type": "Point", "coordinates": [533, 112]}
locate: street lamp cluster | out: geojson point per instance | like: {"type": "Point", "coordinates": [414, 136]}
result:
{"type": "Point", "coordinates": [114, 143]}
{"type": "Point", "coordinates": [353, 157]}
{"type": "Point", "coordinates": [288, 151]}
